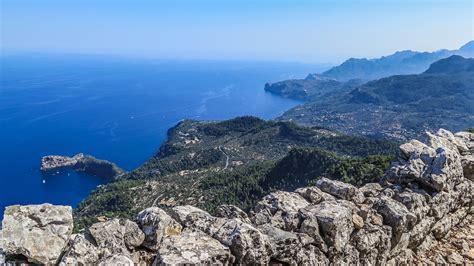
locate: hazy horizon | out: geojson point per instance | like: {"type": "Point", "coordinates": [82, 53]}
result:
{"type": "Point", "coordinates": [321, 31]}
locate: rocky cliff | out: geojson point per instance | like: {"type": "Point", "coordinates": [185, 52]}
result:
{"type": "Point", "coordinates": [405, 218]}
{"type": "Point", "coordinates": [82, 163]}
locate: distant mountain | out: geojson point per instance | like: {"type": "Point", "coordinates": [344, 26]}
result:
{"type": "Point", "coordinates": [399, 63]}
{"type": "Point", "coordinates": [354, 72]}
{"type": "Point", "coordinates": [401, 106]}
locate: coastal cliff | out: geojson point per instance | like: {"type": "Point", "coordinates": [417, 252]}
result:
{"type": "Point", "coordinates": [82, 163]}
{"type": "Point", "coordinates": [405, 218]}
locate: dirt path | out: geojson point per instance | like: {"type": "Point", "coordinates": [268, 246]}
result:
{"type": "Point", "coordinates": [226, 160]}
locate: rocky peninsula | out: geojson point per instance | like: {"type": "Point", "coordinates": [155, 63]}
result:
{"type": "Point", "coordinates": [421, 205]}
{"type": "Point", "coordinates": [82, 163]}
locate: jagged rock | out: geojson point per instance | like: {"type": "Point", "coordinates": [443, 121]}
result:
{"type": "Point", "coordinates": [349, 255]}
{"type": "Point", "coordinates": [292, 248]}
{"type": "Point", "coordinates": [38, 232]}
{"type": "Point", "coordinates": [404, 257]}
{"type": "Point", "coordinates": [420, 231]}
{"type": "Point", "coordinates": [246, 242]}
{"type": "Point", "coordinates": [455, 259]}
{"type": "Point", "coordinates": [407, 150]}
{"type": "Point", "coordinates": [424, 246]}
{"type": "Point", "coordinates": [310, 226]}
{"type": "Point", "coordinates": [441, 227]}
{"type": "Point", "coordinates": [439, 260]}
{"type": "Point", "coordinates": [467, 163]}
{"type": "Point", "coordinates": [444, 138]}
{"type": "Point", "coordinates": [314, 195]}
{"type": "Point", "coordinates": [192, 217]}
{"type": "Point", "coordinates": [116, 259]}
{"type": "Point", "coordinates": [81, 251]}
{"type": "Point", "coordinates": [117, 236]}
{"type": "Point", "coordinates": [180, 213]}
{"type": "Point", "coordinates": [369, 215]}
{"type": "Point", "coordinates": [231, 211]}
{"type": "Point", "coordinates": [467, 138]}
{"type": "Point", "coordinates": [279, 209]}
{"type": "Point", "coordinates": [397, 216]}
{"type": "Point", "coordinates": [335, 222]}
{"type": "Point", "coordinates": [192, 248]}
{"type": "Point", "coordinates": [373, 243]}
{"type": "Point", "coordinates": [415, 203]}
{"type": "Point", "coordinates": [371, 189]}
{"type": "Point", "coordinates": [156, 224]}
{"type": "Point", "coordinates": [340, 190]}
{"type": "Point", "coordinates": [437, 166]}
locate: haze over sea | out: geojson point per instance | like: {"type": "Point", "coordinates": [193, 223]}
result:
{"type": "Point", "coordinates": [117, 109]}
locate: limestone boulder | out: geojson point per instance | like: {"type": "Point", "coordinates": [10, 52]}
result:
{"type": "Point", "coordinates": [335, 222]}
{"type": "Point", "coordinates": [248, 244]}
{"type": "Point", "coordinates": [117, 236]}
{"type": "Point", "coordinates": [116, 259]}
{"type": "Point", "coordinates": [156, 224]}
{"type": "Point", "coordinates": [230, 212]}
{"type": "Point", "coordinates": [38, 232]}
{"type": "Point", "coordinates": [81, 250]}
{"type": "Point", "coordinates": [292, 248]}
{"type": "Point", "coordinates": [397, 216]}
{"type": "Point", "coordinates": [314, 195]}
{"type": "Point", "coordinates": [437, 165]}
{"type": "Point", "coordinates": [192, 247]}
{"type": "Point", "coordinates": [279, 209]}
{"type": "Point", "coordinates": [340, 190]}
{"type": "Point", "coordinates": [373, 243]}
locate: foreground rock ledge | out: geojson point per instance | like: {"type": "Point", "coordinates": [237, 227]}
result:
{"type": "Point", "coordinates": [37, 232]}
{"type": "Point", "coordinates": [408, 217]}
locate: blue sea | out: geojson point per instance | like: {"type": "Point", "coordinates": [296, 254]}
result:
{"type": "Point", "coordinates": [114, 108]}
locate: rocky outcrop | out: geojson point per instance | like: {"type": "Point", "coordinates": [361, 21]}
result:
{"type": "Point", "coordinates": [82, 163]}
{"type": "Point", "coordinates": [37, 233]}
{"type": "Point", "coordinates": [423, 198]}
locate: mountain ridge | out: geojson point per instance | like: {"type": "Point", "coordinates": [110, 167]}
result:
{"type": "Point", "coordinates": [398, 63]}
{"type": "Point", "coordinates": [398, 107]}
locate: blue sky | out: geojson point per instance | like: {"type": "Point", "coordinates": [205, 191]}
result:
{"type": "Point", "coordinates": [292, 30]}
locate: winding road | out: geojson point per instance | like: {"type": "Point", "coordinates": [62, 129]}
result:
{"type": "Point", "coordinates": [226, 160]}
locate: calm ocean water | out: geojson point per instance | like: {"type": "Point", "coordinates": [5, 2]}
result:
{"type": "Point", "coordinates": [114, 109]}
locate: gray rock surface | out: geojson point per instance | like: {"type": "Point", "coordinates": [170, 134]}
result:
{"type": "Point", "coordinates": [38, 232]}
{"type": "Point", "coordinates": [81, 251]}
{"type": "Point", "coordinates": [231, 211]}
{"type": "Point", "coordinates": [118, 236]}
{"type": "Point", "coordinates": [279, 209]}
{"type": "Point", "coordinates": [156, 224]}
{"type": "Point", "coordinates": [340, 190]}
{"type": "Point", "coordinates": [335, 222]}
{"type": "Point", "coordinates": [292, 248]}
{"type": "Point", "coordinates": [117, 259]}
{"type": "Point", "coordinates": [192, 248]}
